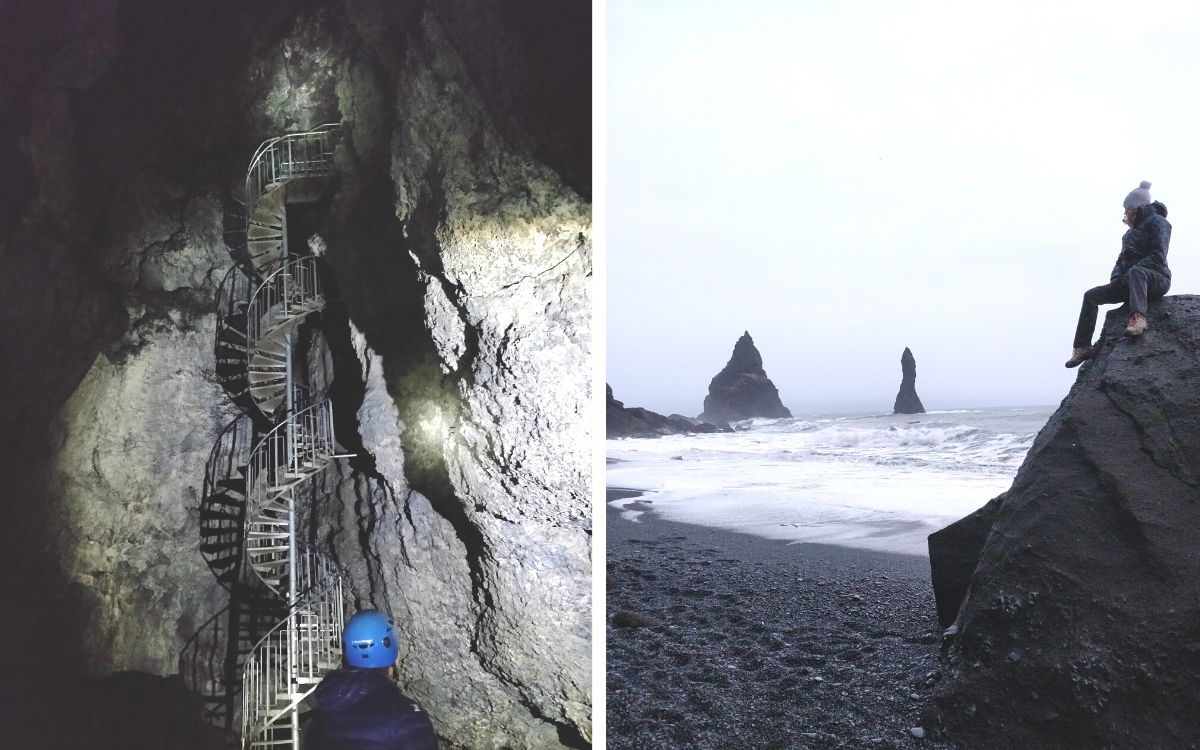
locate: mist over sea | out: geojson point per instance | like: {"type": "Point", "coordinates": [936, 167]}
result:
{"type": "Point", "coordinates": [881, 482]}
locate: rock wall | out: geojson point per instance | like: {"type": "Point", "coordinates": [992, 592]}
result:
{"type": "Point", "coordinates": [460, 239]}
{"type": "Point", "coordinates": [1079, 625]}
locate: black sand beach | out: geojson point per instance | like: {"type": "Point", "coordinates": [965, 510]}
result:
{"type": "Point", "coordinates": [724, 640]}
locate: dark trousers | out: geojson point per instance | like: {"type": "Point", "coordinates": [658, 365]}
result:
{"type": "Point", "coordinates": [1137, 287]}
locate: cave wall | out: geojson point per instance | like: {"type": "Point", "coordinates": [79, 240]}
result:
{"type": "Point", "coordinates": [460, 239]}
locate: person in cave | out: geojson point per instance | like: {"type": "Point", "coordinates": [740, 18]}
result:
{"type": "Point", "coordinates": [1140, 275]}
{"type": "Point", "coordinates": [360, 705]}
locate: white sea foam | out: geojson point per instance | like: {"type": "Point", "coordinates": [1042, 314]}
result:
{"type": "Point", "coordinates": [874, 481]}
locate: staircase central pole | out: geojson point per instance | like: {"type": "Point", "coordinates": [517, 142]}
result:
{"type": "Point", "coordinates": [289, 395]}
{"type": "Point", "coordinates": [290, 450]}
{"type": "Point", "coordinates": [293, 635]}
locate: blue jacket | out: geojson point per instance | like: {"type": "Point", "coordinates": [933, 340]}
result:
{"type": "Point", "coordinates": [362, 709]}
{"type": "Point", "coordinates": [1145, 243]}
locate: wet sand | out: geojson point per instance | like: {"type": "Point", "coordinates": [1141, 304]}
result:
{"type": "Point", "coordinates": [725, 640]}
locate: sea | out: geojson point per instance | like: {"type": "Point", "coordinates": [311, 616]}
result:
{"type": "Point", "coordinates": [873, 481]}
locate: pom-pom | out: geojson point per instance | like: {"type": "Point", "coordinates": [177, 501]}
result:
{"type": "Point", "coordinates": [1145, 185]}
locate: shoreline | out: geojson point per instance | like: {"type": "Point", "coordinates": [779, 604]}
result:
{"type": "Point", "coordinates": [724, 639]}
{"type": "Point", "coordinates": [917, 565]}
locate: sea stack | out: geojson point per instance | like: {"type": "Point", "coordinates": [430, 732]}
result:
{"type": "Point", "coordinates": [907, 401]}
{"type": "Point", "coordinates": [1072, 598]}
{"type": "Point", "coordinates": [742, 390]}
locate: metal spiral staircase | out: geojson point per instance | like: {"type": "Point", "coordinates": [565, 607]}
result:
{"type": "Point", "coordinates": [282, 439]}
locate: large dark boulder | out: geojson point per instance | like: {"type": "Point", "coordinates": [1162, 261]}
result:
{"type": "Point", "coordinates": [907, 401]}
{"type": "Point", "coordinates": [1081, 623]}
{"type": "Point", "coordinates": [954, 553]}
{"type": "Point", "coordinates": [622, 421]}
{"type": "Point", "coordinates": [742, 389]}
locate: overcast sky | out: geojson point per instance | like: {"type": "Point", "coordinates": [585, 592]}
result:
{"type": "Point", "coordinates": [847, 179]}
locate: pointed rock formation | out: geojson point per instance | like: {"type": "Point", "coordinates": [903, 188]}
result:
{"type": "Point", "coordinates": [907, 401]}
{"type": "Point", "coordinates": [622, 421]}
{"type": "Point", "coordinates": [742, 390]}
{"type": "Point", "coordinates": [1075, 594]}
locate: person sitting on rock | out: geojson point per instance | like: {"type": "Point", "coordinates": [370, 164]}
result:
{"type": "Point", "coordinates": [1139, 276]}
{"type": "Point", "coordinates": [359, 705]}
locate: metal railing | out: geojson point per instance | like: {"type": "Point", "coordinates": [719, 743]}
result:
{"type": "Point", "coordinates": [292, 657]}
{"type": "Point", "coordinates": [290, 156]}
{"type": "Point", "coordinates": [297, 447]}
{"type": "Point", "coordinates": [291, 292]}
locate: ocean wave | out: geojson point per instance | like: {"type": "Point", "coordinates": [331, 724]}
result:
{"type": "Point", "coordinates": [784, 424]}
{"type": "Point", "coordinates": [966, 440]}
{"type": "Point", "coordinates": [799, 478]}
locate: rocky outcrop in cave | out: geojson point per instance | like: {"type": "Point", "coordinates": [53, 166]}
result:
{"type": "Point", "coordinates": [907, 401]}
{"type": "Point", "coordinates": [742, 390]}
{"type": "Point", "coordinates": [458, 237]}
{"type": "Point", "coordinates": [1074, 594]}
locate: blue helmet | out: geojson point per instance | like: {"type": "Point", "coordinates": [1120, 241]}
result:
{"type": "Point", "coordinates": [369, 640]}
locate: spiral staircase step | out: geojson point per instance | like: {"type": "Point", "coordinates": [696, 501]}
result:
{"type": "Point", "coordinates": [268, 211]}
{"type": "Point", "coordinates": [268, 354]}
{"type": "Point", "coordinates": [272, 548]}
{"type": "Point", "coordinates": [258, 377]}
{"type": "Point", "coordinates": [271, 405]}
{"type": "Point", "coordinates": [273, 510]}
{"type": "Point", "coordinates": [261, 521]}
{"type": "Point", "coordinates": [268, 396]}
{"type": "Point", "coordinates": [264, 232]}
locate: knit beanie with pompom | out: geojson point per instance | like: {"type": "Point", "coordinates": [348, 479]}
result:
{"type": "Point", "coordinates": [1139, 197]}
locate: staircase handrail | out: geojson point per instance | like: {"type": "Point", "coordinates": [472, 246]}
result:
{"type": "Point", "coordinates": [270, 454]}
{"type": "Point", "coordinates": [305, 286]}
{"type": "Point", "coordinates": [266, 168]}
{"type": "Point", "coordinates": [267, 675]}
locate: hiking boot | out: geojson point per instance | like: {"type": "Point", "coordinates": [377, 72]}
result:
{"type": "Point", "coordinates": [1078, 355]}
{"type": "Point", "coordinates": [1137, 325]}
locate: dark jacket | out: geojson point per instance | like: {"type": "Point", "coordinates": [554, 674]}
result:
{"type": "Point", "coordinates": [1145, 244]}
{"type": "Point", "coordinates": [362, 709]}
